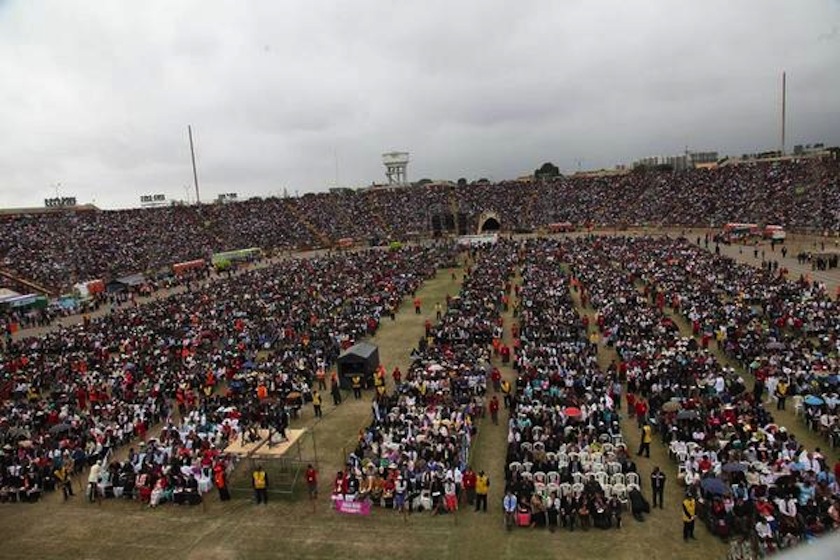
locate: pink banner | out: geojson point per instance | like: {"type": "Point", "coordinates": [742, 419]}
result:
{"type": "Point", "coordinates": [353, 508]}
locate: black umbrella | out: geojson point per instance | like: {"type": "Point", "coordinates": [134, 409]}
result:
{"type": "Point", "coordinates": [687, 415]}
{"type": "Point", "coordinates": [714, 486]}
{"type": "Point", "coordinates": [734, 467]}
{"type": "Point", "coordinates": [60, 429]}
{"type": "Point", "coordinates": [19, 433]}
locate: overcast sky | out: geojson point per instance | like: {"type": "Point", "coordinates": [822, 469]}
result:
{"type": "Point", "coordinates": [97, 95]}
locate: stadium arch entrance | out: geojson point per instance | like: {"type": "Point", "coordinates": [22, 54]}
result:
{"type": "Point", "coordinates": [489, 222]}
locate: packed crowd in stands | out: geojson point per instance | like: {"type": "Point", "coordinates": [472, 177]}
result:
{"type": "Point", "coordinates": [207, 364]}
{"type": "Point", "coordinates": [753, 476]}
{"type": "Point", "coordinates": [413, 456]}
{"type": "Point", "coordinates": [58, 249]}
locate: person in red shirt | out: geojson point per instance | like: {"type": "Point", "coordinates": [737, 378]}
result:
{"type": "Point", "coordinates": [641, 412]}
{"type": "Point", "coordinates": [705, 464]}
{"type": "Point", "coordinates": [468, 480]}
{"type": "Point", "coordinates": [505, 351]}
{"type": "Point", "coordinates": [311, 476]}
{"type": "Point", "coordinates": [220, 479]}
{"type": "Point", "coordinates": [494, 409]}
{"type": "Point", "coordinates": [496, 378]}
{"type": "Point", "coordinates": [631, 403]}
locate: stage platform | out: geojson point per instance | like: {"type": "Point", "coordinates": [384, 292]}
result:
{"type": "Point", "coordinates": [261, 448]}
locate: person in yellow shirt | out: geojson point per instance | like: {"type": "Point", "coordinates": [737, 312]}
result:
{"type": "Point", "coordinates": [506, 390]}
{"type": "Point", "coordinates": [689, 514]}
{"type": "Point", "coordinates": [63, 476]}
{"type": "Point", "coordinates": [356, 383]}
{"type": "Point", "coordinates": [316, 402]}
{"type": "Point", "coordinates": [259, 480]}
{"type": "Point", "coordinates": [482, 488]}
{"type": "Point", "coordinates": [781, 394]}
{"type": "Point", "coordinates": [646, 438]}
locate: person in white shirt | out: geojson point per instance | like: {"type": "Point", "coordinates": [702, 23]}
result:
{"type": "Point", "coordinates": [720, 385]}
{"type": "Point", "coordinates": [93, 481]}
{"type": "Point", "coordinates": [458, 477]}
{"type": "Point", "coordinates": [764, 531]}
{"type": "Point", "coordinates": [692, 478]}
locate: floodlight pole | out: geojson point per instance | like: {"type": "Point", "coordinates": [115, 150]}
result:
{"type": "Point", "coordinates": [195, 171]}
{"type": "Point", "coordinates": [784, 107]}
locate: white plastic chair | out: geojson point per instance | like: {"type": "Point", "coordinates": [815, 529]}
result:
{"type": "Point", "coordinates": [565, 489]}
{"type": "Point", "coordinates": [620, 492]}
{"type": "Point", "coordinates": [601, 478]}
{"type": "Point", "coordinates": [614, 467]}
{"type": "Point", "coordinates": [798, 405]}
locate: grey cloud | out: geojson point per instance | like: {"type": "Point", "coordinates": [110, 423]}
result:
{"type": "Point", "coordinates": [98, 95]}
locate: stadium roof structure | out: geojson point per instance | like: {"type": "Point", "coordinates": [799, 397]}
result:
{"type": "Point", "coordinates": [48, 210]}
{"type": "Point", "coordinates": [131, 280]}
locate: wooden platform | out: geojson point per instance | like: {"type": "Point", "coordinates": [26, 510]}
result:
{"type": "Point", "coordinates": [261, 448]}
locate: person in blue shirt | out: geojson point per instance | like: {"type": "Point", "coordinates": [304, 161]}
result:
{"type": "Point", "coordinates": [509, 503]}
{"type": "Point", "coordinates": [806, 492]}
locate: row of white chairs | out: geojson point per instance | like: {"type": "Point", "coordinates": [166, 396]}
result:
{"type": "Point", "coordinates": [602, 477]}
{"type": "Point", "coordinates": [605, 449]}
{"type": "Point", "coordinates": [611, 467]}
{"type": "Point", "coordinates": [619, 490]}
{"type": "Point", "coordinates": [596, 462]}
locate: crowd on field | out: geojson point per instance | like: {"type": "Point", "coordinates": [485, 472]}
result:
{"type": "Point", "coordinates": [207, 365]}
{"type": "Point", "coordinates": [414, 454]}
{"type": "Point", "coordinates": [752, 475]}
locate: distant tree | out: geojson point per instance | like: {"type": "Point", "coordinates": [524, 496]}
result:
{"type": "Point", "coordinates": [462, 182]}
{"type": "Point", "coordinates": [483, 181]}
{"type": "Point", "coordinates": [422, 182]}
{"type": "Point", "coordinates": [547, 171]}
